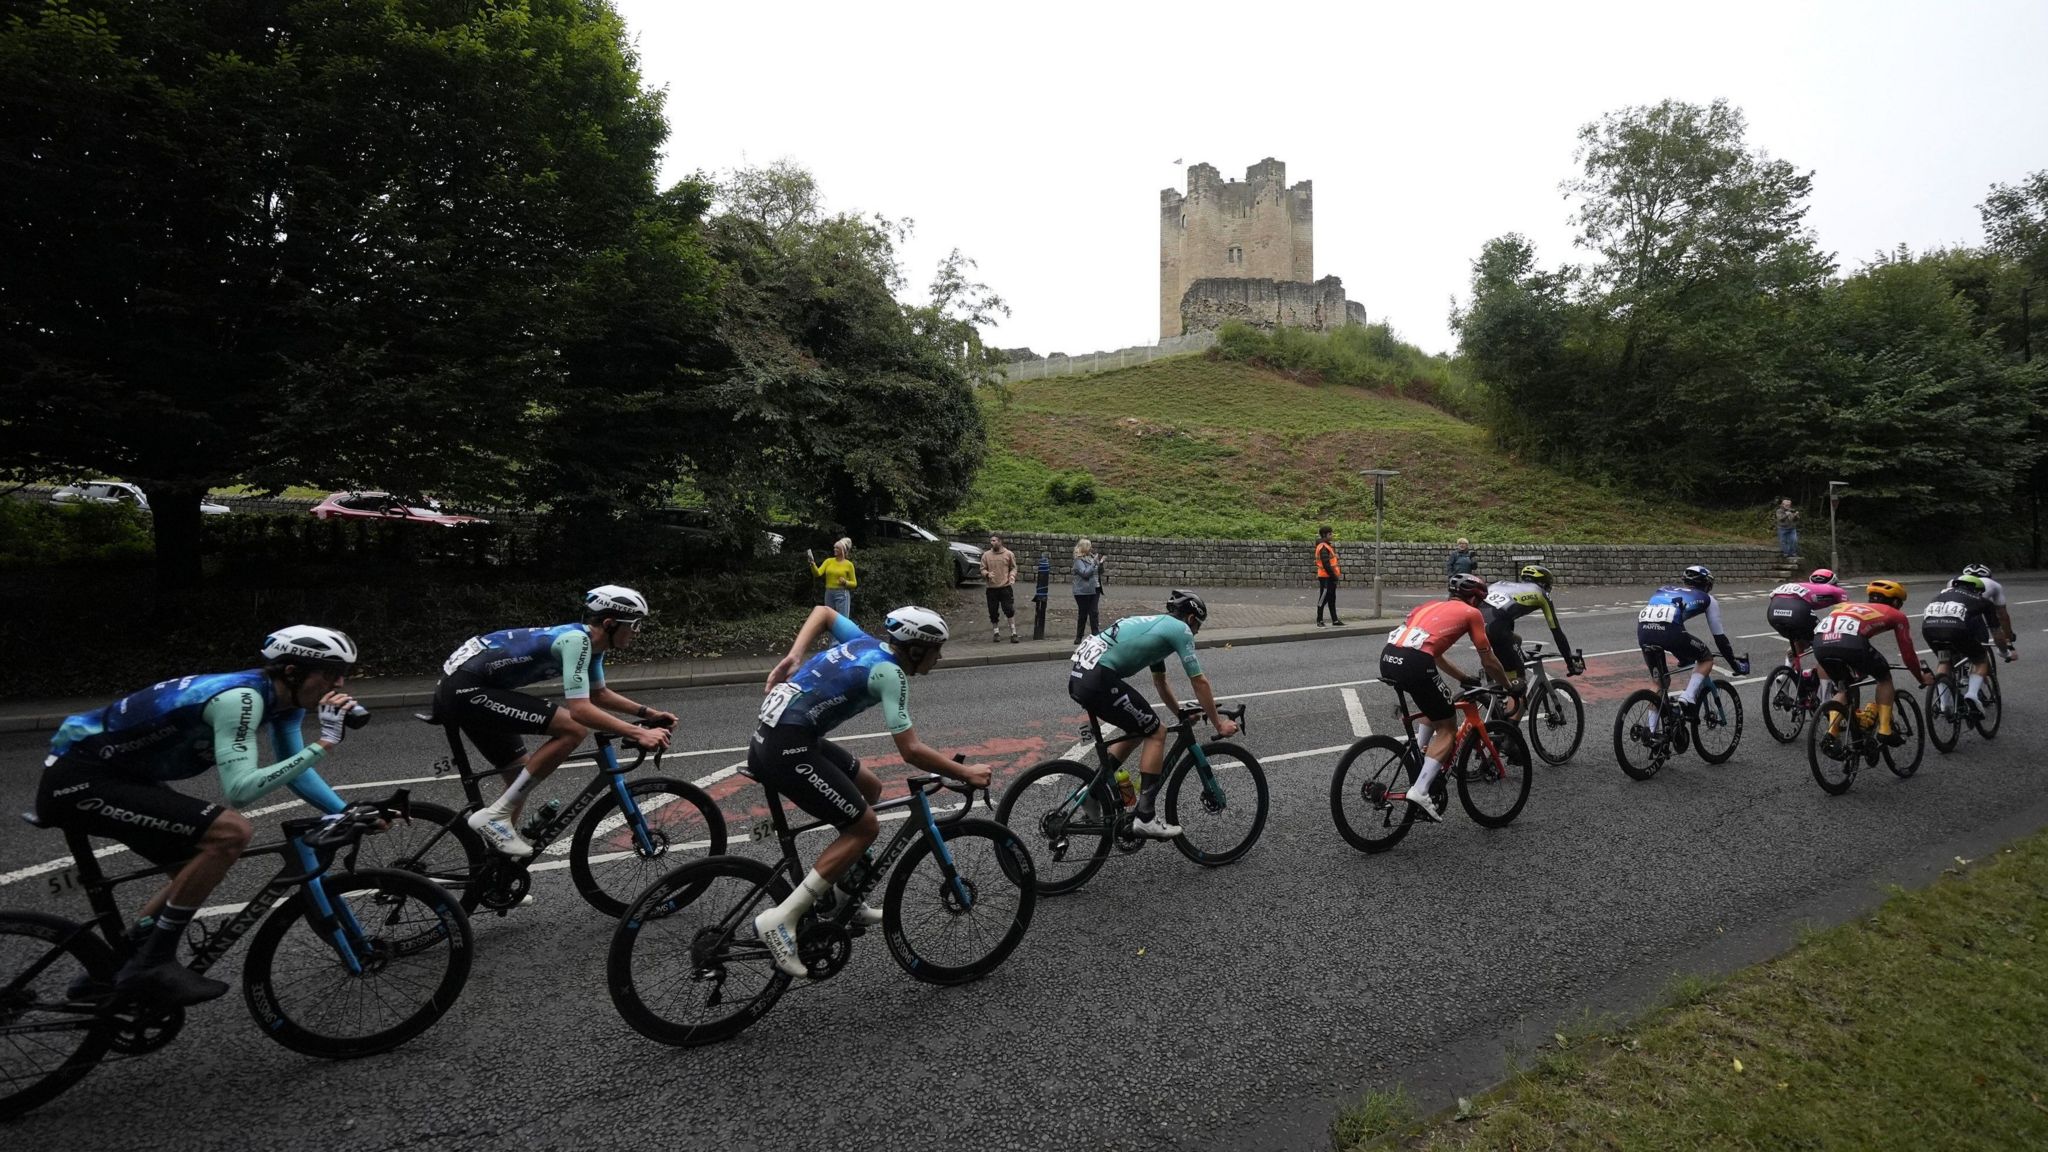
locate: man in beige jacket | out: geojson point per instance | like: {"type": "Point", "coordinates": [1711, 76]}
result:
{"type": "Point", "coordinates": [999, 568]}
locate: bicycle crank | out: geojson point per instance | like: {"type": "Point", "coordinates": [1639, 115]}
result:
{"type": "Point", "coordinates": [147, 1030]}
{"type": "Point", "coordinates": [502, 887]}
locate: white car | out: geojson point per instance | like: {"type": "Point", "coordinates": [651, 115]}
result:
{"type": "Point", "coordinates": [120, 492]}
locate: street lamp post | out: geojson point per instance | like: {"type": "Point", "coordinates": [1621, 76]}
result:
{"type": "Point", "coordinates": [1834, 552]}
{"type": "Point", "coordinates": [1380, 476]}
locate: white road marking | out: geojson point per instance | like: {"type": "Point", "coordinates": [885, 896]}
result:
{"type": "Point", "coordinates": [1360, 726]}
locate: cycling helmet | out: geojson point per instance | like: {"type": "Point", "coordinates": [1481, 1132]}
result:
{"type": "Point", "coordinates": [309, 646]}
{"type": "Point", "coordinates": [1536, 574]}
{"type": "Point", "coordinates": [616, 601]}
{"type": "Point", "coordinates": [1185, 604]}
{"type": "Point", "coordinates": [1822, 576]}
{"type": "Point", "coordinates": [1700, 576]}
{"type": "Point", "coordinates": [913, 625]}
{"type": "Point", "coordinates": [1890, 591]}
{"type": "Point", "coordinates": [1467, 586]}
{"type": "Point", "coordinates": [1973, 583]}
{"type": "Point", "coordinates": [1979, 570]}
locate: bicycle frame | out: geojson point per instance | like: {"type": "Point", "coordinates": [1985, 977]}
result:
{"type": "Point", "coordinates": [609, 774]}
{"type": "Point", "coordinates": [1184, 744]}
{"type": "Point", "coordinates": [863, 876]}
{"type": "Point", "coordinates": [1469, 720]}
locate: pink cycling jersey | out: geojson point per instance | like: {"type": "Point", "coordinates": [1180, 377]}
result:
{"type": "Point", "coordinates": [1818, 595]}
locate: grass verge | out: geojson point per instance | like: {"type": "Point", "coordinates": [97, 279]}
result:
{"type": "Point", "coordinates": [1923, 1025]}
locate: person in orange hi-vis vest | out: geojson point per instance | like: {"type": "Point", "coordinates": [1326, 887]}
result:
{"type": "Point", "coordinates": [1327, 575]}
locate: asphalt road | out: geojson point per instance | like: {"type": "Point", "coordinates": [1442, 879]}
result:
{"type": "Point", "coordinates": [1163, 1006]}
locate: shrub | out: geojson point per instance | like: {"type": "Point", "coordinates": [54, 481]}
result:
{"type": "Point", "coordinates": [37, 534]}
{"type": "Point", "coordinates": [1071, 488]}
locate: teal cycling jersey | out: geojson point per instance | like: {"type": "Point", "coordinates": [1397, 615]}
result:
{"type": "Point", "coordinates": [1136, 642]}
{"type": "Point", "coordinates": [517, 657]}
{"type": "Point", "coordinates": [178, 729]}
{"type": "Point", "coordinates": [840, 683]}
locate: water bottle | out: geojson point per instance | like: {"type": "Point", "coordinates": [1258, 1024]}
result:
{"type": "Point", "coordinates": [357, 716]}
{"type": "Point", "coordinates": [539, 820]}
{"type": "Point", "coordinates": [1127, 787]}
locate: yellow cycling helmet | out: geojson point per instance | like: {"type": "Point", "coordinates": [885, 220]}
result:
{"type": "Point", "coordinates": [1890, 591]}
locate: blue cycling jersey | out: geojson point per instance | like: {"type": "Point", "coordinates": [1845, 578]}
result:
{"type": "Point", "coordinates": [1674, 604]}
{"type": "Point", "coordinates": [840, 683]}
{"type": "Point", "coordinates": [516, 657]}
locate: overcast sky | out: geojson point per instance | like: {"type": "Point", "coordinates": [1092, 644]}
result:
{"type": "Point", "coordinates": [1036, 136]}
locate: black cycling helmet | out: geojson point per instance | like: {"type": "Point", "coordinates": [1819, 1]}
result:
{"type": "Point", "coordinates": [1467, 586]}
{"type": "Point", "coordinates": [1536, 574]}
{"type": "Point", "coordinates": [1186, 605]}
{"type": "Point", "coordinates": [1700, 576]}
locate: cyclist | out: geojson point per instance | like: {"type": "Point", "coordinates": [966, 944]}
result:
{"type": "Point", "coordinates": [1096, 681]}
{"type": "Point", "coordinates": [1842, 644]}
{"type": "Point", "coordinates": [1509, 601]}
{"type": "Point", "coordinates": [1661, 631]}
{"type": "Point", "coordinates": [1995, 592]}
{"type": "Point", "coordinates": [1414, 654]}
{"type": "Point", "coordinates": [1793, 612]}
{"type": "Point", "coordinates": [807, 698]}
{"type": "Point", "coordinates": [109, 775]}
{"type": "Point", "coordinates": [479, 693]}
{"type": "Point", "coordinates": [1959, 621]}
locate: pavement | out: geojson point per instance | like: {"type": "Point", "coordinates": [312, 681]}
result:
{"type": "Point", "coordinates": [1164, 1006]}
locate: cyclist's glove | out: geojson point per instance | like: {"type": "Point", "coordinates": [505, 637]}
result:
{"type": "Point", "coordinates": [333, 723]}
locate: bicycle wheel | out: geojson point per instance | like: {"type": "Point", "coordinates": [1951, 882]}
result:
{"type": "Point", "coordinates": [1225, 811]}
{"type": "Point", "coordinates": [47, 1043]}
{"type": "Point", "coordinates": [1067, 827]}
{"type": "Point", "coordinates": [1717, 729]}
{"type": "Point", "coordinates": [947, 932]}
{"type": "Point", "coordinates": [1944, 713]}
{"type": "Point", "coordinates": [1784, 712]}
{"type": "Point", "coordinates": [1831, 748]}
{"type": "Point", "coordinates": [1366, 791]}
{"type": "Point", "coordinates": [1557, 721]}
{"type": "Point", "coordinates": [609, 861]}
{"type": "Point", "coordinates": [685, 967]}
{"type": "Point", "coordinates": [1493, 791]}
{"type": "Point", "coordinates": [1992, 711]}
{"type": "Point", "coordinates": [437, 843]}
{"type": "Point", "coordinates": [412, 945]}
{"type": "Point", "coordinates": [1904, 760]}
{"type": "Point", "coordinates": [1640, 748]}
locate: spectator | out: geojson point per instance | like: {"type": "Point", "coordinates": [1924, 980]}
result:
{"type": "Point", "coordinates": [1327, 574]}
{"type": "Point", "coordinates": [999, 568]}
{"type": "Point", "coordinates": [839, 576]}
{"type": "Point", "coordinates": [1788, 528]}
{"type": "Point", "coordinates": [1461, 560]}
{"type": "Point", "coordinates": [1087, 591]}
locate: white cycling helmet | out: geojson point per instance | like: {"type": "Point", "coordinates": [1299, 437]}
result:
{"type": "Point", "coordinates": [617, 601]}
{"type": "Point", "coordinates": [913, 625]}
{"type": "Point", "coordinates": [310, 646]}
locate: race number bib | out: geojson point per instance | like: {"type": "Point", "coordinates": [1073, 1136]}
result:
{"type": "Point", "coordinates": [1499, 600]}
{"type": "Point", "coordinates": [1407, 636]}
{"type": "Point", "coordinates": [1658, 614]}
{"type": "Point", "coordinates": [776, 702]}
{"type": "Point", "coordinates": [1789, 590]}
{"type": "Point", "coordinates": [1838, 626]}
{"type": "Point", "coordinates": [1091, 651]}
{"type": "Point", "coordinates": [471, 647]}
{"type": "Point", "coordinates": [1946, 610]}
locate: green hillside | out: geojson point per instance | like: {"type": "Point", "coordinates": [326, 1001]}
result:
{"type": "Point", "coordinates": [1195, 447]}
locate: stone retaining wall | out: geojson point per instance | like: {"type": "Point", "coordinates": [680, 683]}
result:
{"type": "Point", "coordinates": [1273, 563]}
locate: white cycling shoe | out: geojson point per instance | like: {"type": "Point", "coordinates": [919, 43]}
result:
{"type": "Point", "coordinates": [500, 833]}
{"type": "Point", "coordinates": [779, 934]}
{"type": "Point", "coordinates": [867, 915]}
{"type": "Point", "coordinates": [1424, 806]}
{"type": "Point", "coordinates": [1155, 829]}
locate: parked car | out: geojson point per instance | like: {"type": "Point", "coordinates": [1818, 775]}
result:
{"type": "Point", "coordinates": [966, 557]}
{"type": "Point", "coordinates": [698, 522]}
{"type": "Point", "coordinates": [385, 506]}
{"type": "Point", "coordinates": [120, 492]}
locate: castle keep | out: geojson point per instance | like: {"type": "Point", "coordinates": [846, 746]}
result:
{"type": "Point", "coordinates": [1243, 250]}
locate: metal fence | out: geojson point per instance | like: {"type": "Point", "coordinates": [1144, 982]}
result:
{"type": "Point", "coordinates": [1108, 361]}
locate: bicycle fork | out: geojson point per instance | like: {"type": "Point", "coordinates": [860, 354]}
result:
{"type": "Point", "coordinates": [945, 857]}
{"type": "Point", "coordinates": [334, 919]}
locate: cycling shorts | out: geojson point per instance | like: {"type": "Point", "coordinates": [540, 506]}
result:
{"type": "Point", "coordinates": [1507, 646]}
{"type": "Point", "coordinates": [1109, 698]}
{"type": "Point", "coordinates": [1792, 618]}
{"type": "Point", "coordinates": [494, 719]}
{"type": "Point", "coordinates": [1966, 642]}
{"type": "Point", "coordinates": [1850, 659]}
{"type": "Point", "coordinates": [1672, 640]}
{"type": "Point", "coordinates": [1414, 673]}
{"type": "Point", "coordinates": [809, 771]}
{"type": "Point", "coordinates": [161, 824]}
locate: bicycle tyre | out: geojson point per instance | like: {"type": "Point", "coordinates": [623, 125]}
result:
{"type": "Point", "coordinates": [1086, 841]}
{"type": "Point", "coordinates": [1557, 722]}
{"type": "Point", "coordinates": [1476, 780]}
{"type": "Point", "coordinates": [1378, 823]}
{"type": "Point", "coordinates": [1011, 867]}
{"type": "Point", "coordinates": [1906, 722]}
{"type": "Point", "coordinates": [1994, 711]}
{"type": "Point", "coordinates": [1784, 716]}
{"type": "Point", "coordinates": [38, 933]}
{"type": "Point", "coordinates": [1837, 752]}
{"type": "Point", "coordinates": [1634, 734]}
{"type": "Point", "coordinates": [1943, 713]}
{"type": "Point", "coordinates": [440, 919]}
{"type": "Point", "coordinates": [697, 828]}
{"type": "Point", "coordinates": [1729, 718]}
{"type": "Point", "coordinates": [759, 888]}
{"type": "Point", "coordinates": [1199, 804]}
{"type": "Point", "coordinates": [437, 843]}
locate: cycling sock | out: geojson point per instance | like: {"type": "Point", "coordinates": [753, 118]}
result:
{"type": "Point", "coordinates": [1655, 717]}
{"type": "Point", "coordinates": [1976, 690]}
{"type": "Point", "coordinates": [162, 945]}
{"type": "Point", "coordinates": [1692, 689]}
{"type": "Point", "coordinates": [512, 794]}
{"type": "Point", "coordinates": [1426, 777]}
{"type": "Point", "coordinates": [1884, 719]}
{"type": "Point", "coordinates": [806, 894]}
{"type": "Point", "coordinates": [1148, 794]}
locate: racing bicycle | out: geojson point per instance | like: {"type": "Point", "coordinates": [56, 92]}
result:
{"type": "Point", "coordinates": [1844, 738]}
{"type": "Point", "coordinates": [1949, 711]}
{"type": "Point", "coordinates": [1489, 760]}
{"type": "Point", "coordinates": [1791, 697]}
{"type": "Point", "coordinates": [1653, 725]}
{"type": "Point", "coordinates": [1557, 717]}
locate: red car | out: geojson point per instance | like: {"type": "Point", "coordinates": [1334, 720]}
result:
{"type": "Point", "coordinates": [385, 506]}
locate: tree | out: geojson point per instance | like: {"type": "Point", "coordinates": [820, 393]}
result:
{"type": "Point", "coordinates": [353, 242]}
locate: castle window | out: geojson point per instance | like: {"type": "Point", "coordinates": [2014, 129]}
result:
{"type": "Point", "coordinates": [1234, 256]}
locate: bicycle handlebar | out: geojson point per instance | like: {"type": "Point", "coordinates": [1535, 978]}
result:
{"type": "Point", "coordinates": [1190, 711]}
{"type": "Point", "coordinates": [353, 822]}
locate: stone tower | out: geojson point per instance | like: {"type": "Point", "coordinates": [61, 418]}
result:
{"type": "Point", "coordinates": [1257, 229]}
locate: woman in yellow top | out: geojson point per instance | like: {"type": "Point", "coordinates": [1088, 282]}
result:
{"type": "Point", "coordinates": [839, 578]}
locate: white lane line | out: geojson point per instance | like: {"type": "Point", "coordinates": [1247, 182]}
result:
{"type": "Point", "coordinates": [1360, 726]}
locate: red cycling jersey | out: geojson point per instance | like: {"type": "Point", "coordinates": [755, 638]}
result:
{"type": "Point", "coordinates": [1853, 623]}
{"type": "Point", "coordinates": [1434, 627]}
